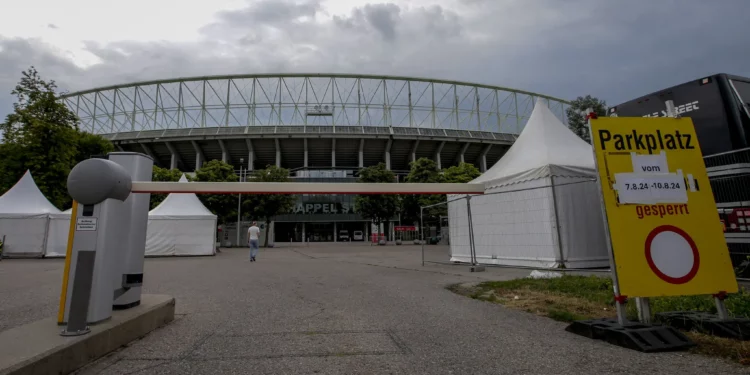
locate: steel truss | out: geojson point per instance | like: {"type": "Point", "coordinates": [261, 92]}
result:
{"type": "Point", "coordinates": [301, 99]}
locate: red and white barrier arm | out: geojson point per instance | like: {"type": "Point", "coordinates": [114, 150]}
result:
{"type": "Point", "coordinates": [304, 188]}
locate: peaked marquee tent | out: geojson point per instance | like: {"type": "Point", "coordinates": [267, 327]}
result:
{"type": "Point", "coordinates": [541, 207]}
{"type": "Point", "coordinates": [24, 219]}
{"type": "Point", "coordinates": [57, 234]}
{"type": "Point", "coordinates": [181, 225]}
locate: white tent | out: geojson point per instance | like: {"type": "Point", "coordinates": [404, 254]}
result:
{"type": "Point", "coordinates": [57, 234]}
{"type": "Point", "coordinates": [542, 207]}
{"type": "Point", "coordinates": [181, 225]}
{"type": "Point", "coordinates": [24, 219]}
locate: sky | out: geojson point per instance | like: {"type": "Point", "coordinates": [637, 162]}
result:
{"type": "Point", "coordinates": [615, 50]}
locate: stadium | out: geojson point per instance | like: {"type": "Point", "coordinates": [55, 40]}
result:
{"type": "Point", "coordinates": [322, 127]}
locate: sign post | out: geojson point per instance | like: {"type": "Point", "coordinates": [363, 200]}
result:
{"type": "Point", "coordinates": [620, 300]}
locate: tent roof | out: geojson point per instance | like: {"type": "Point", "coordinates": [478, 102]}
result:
{"type": "Point", "coordinates": [544, 144]}
{"type": "Point", "coordinates": [26, 198]}
{"type": "Point", "coordinates": [181, 204]}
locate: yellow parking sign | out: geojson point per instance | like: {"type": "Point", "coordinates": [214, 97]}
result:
{"type": "Point", "coordinates": [664, 228]}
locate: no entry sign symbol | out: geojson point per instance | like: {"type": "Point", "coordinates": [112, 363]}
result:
{"type": "Point", "coordinates": [672, 254]}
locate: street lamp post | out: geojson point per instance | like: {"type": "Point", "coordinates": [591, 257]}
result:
{"type": "Point", "coordinates": [239, 203]}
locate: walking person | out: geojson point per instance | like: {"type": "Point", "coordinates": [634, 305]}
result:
{"type": "Point", "coordinates": [253, 235]}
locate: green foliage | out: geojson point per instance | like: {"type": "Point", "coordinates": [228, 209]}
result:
{"type": "Point", "coordinates": [461, 174]}
{"type": "Point", "coordinates": [224, 206]}
{"type": "Point", "coordinates": [12, 165]}
{"type": "Point", "coordinates": [90, 145]}
{"type": "Point", "coordinates": [377, 207]}
{"type": "Point", "coordinates": [425, 170]}
{"type": "Point", "coordinates": [41, 135]}
{"type": "Point", "coordinates": [564, 315]}
{"type": "Point", "coordinates": [591, 288]}
{"type": "Point", "coordinates": [577, 121]}
{"type": "Point", "coordinates": [163, 175]}
{"type": "Point", "coordinates": [267, 206]}
{"type": "Point", "coordinates": [570, 298]}
{"type": "Point", "coordinates": [599, 290]}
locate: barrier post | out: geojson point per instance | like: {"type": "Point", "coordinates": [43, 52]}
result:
{"type": "Point", "coordinates": [721, 308]}
{"type": "Point", "coordinates": [644, 310]}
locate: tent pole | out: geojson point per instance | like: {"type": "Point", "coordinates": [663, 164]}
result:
{"type": "Point", "coordinates": [46, 234]}
{"type": "Point", "coordinates": [472, 250]}
{"type": "Point", "coordinates": [557, 224]}
{"type": "Point", "coordinates": [239, 209]}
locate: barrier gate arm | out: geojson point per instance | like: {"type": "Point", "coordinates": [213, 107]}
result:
{"type": "Point", "coordinates": [305, 188]}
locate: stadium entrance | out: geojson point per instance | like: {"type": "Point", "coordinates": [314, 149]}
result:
{"type": "Point", "coordinates": [321, 231]}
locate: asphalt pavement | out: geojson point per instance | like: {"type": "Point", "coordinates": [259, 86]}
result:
{"type": "Point", "coordinates": [336, 309]}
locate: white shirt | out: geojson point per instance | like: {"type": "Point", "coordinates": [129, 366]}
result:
{"type": "Point", "coordinates": [253, 232]}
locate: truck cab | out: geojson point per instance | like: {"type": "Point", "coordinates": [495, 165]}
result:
{"type": "Point", "coordinates": [344, 235]}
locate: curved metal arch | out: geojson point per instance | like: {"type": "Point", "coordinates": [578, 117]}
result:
{"type": "Point", "coordinates": [311, 75]}
{"type": "Point", "coordinates": [293, 99]}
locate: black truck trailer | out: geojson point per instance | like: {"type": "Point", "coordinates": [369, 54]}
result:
{"type": "Point", "coordinates": [719, 106]}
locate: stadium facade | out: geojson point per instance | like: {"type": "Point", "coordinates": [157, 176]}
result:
{"type": "Point", "coordinates": [322, 127]}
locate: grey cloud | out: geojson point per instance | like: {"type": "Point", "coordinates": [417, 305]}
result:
{"type": "Point", "coordinates": [270, 12]}
{"type": "Point", "coordinates": [381, 18]}
{"type": "Point", "coordinates": [17, 55]}
{"type": "Point", "coordinates": [612, 49]}
{"type": "Point", "coordinates": [274, 16]}
{"type": "Point", "coordinates": [52, 26]}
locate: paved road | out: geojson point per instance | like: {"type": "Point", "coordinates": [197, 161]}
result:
{"type": "Point", "coordinates": [337, 310]}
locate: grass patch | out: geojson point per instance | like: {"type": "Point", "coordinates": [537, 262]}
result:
{"type": "Point", "coordinates": [571, 298]}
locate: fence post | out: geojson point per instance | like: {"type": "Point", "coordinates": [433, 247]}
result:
{"type": "Point", "coordinates": [421, 231]}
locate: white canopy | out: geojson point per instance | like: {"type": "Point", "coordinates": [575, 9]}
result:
{"type": "Point", "coordinates": [546, 147]}
{"type": "Point", "coordinates": [24, 219]}
{"type": "Point", "coordinates": [538, 209]}
{"type": "Point", "coordinates": [181, 225]}
{"type": "Point", "coordinates": [181, 205]}
{"type": "Point", "coordinates": [25, 198]}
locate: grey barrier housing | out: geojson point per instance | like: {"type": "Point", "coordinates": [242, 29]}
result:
{"type": "Point", "coordinates": [106, 264]}
{"type": "Point", "coordinates": [137, 206]}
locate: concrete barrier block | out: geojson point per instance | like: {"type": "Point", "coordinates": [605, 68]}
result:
{"type": "Point", "coordinates": [38, 348]}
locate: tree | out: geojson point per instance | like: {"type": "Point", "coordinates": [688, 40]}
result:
{"type": "Point", "coordinates": [267, 206]}
{"type": "Point", "coordinates": [577, 121]}
{"type": "Point", "coordinates": [90, 145]}
{"type": "Point", "coordinates": [461, 174]}
{"type": "Point", "coordinates": [40, 135]}
{"type": "Point", "coordinates": [376, 207]}
{"type": "Point", "coordinates": [423, 170]}
{"type": "Point", "coordinates": [224, 206]}
{"type": "Point", "coordinates": [163, 175]}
